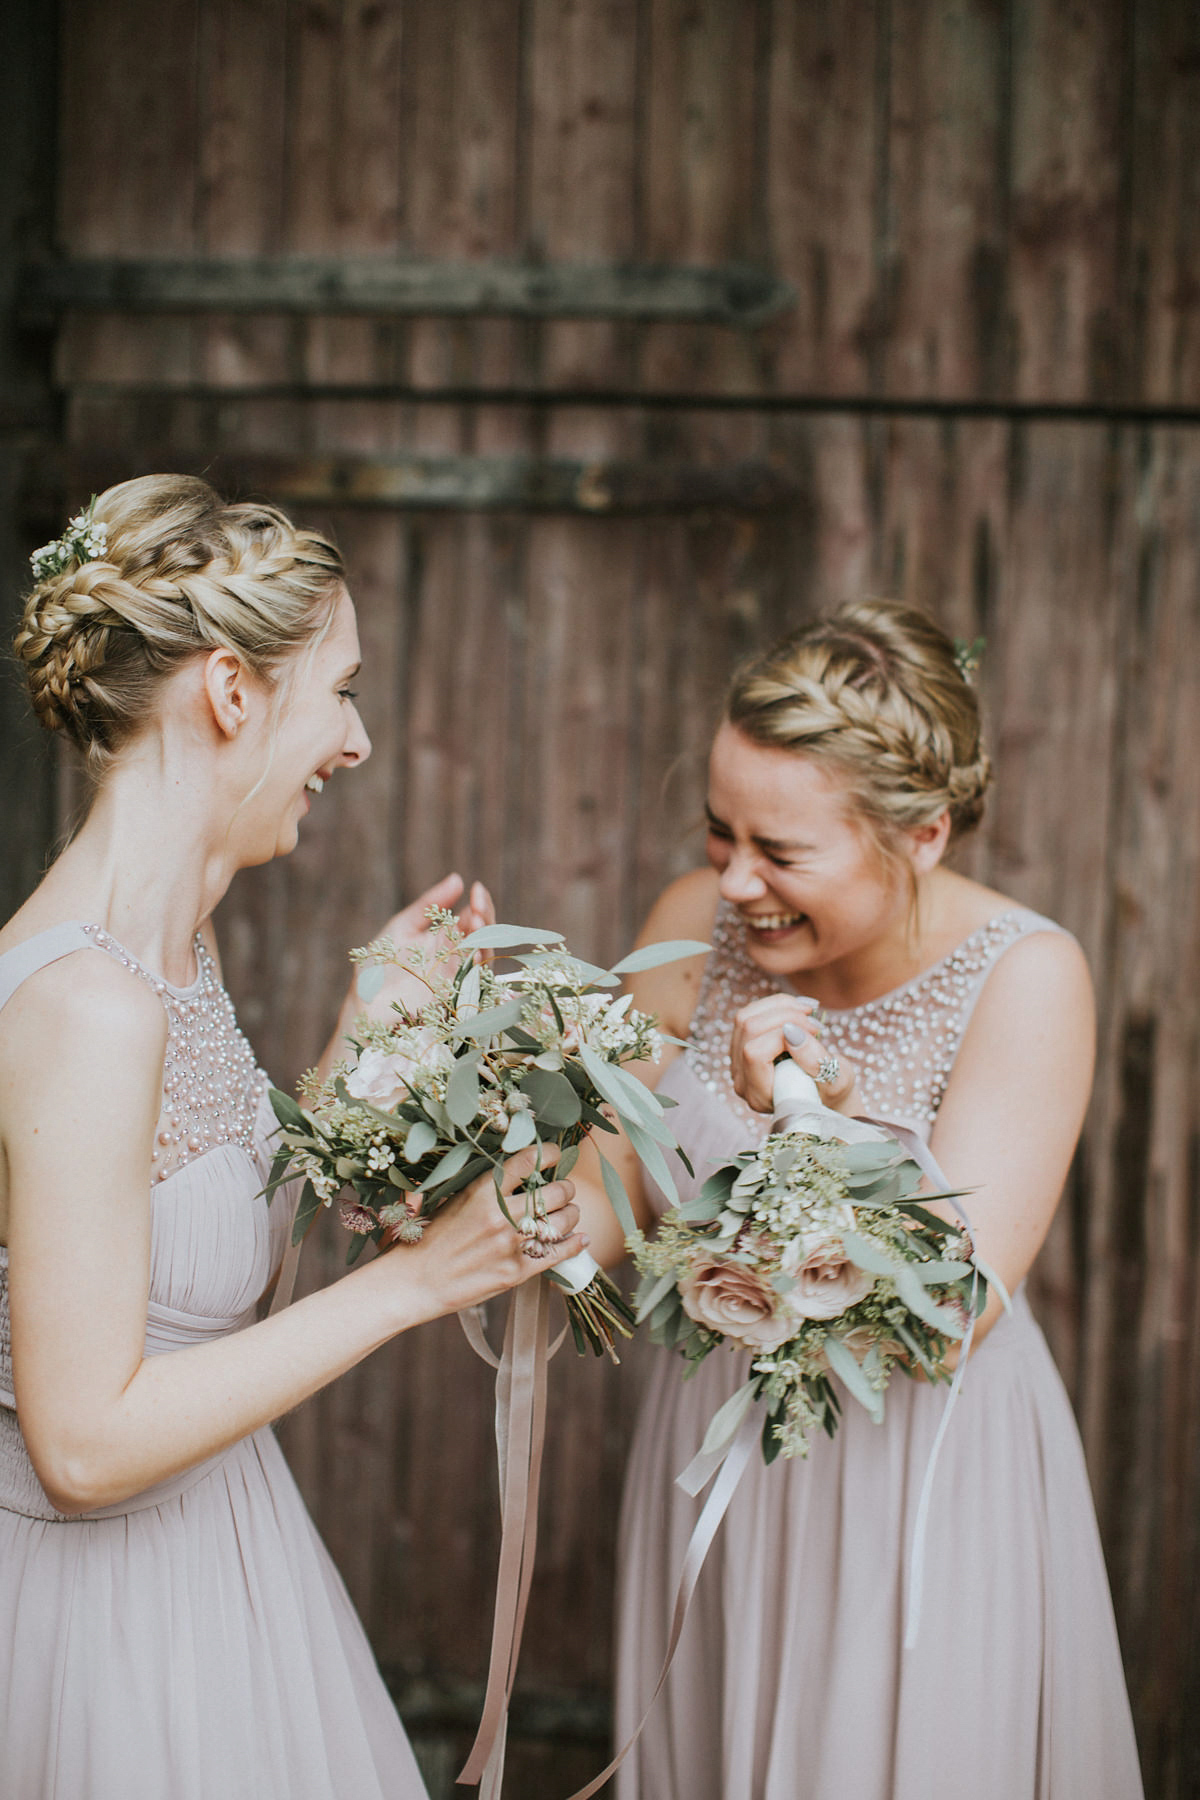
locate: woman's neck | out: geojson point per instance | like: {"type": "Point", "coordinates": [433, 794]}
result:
{"type": "Point", "coordinates": [149, 864]}
{"type": "Point", "coordinates": [946, 909]}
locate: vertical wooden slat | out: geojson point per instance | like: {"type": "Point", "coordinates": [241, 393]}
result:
{"type": "Point", "coordinates": [821, 189]}
{"type": "Point", "coordinates": [1162, 150]}
{"type": "Point", "coordinates": [946, 226]}
{"type": "Point", "coordinates": [1065, 278]}
{"type": "Point", "coordinates": [581, 160]}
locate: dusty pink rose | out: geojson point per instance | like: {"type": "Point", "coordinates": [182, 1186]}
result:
{"type": "Point", "coordinates": [732, 1299]}
{"type": "Point", "coordinates": [828, 1283]}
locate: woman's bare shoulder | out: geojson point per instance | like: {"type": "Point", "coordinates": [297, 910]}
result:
{"type": "Point", "coordinates": [686, 909]}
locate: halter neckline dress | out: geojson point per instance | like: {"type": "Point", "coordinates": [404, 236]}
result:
{"type": "Point", "coordinates": [790, 1682]}
{"type": "Point", "coordinates": [194, 1642]}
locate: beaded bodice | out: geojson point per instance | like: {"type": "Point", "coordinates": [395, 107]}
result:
{"type": "Point", "coordinates": [214, 1241]}
{"type": "Point", "coordinates": [211, 1082]}
{"type": "Point", "coordinates": [903, 1044]}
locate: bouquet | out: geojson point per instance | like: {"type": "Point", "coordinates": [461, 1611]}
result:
{"type": "Point", "coordinates": [814, 1254]}
{"type": "Point", "coordinates": [490, 1063]}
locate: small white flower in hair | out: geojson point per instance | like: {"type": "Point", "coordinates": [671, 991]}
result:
{"type": "Point", "coordinates": [85, 540]}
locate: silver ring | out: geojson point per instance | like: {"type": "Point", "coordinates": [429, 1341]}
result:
{"type": "Point", "coordinates": [829, 1070]}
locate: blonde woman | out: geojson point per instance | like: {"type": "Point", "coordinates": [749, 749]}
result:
{"type": "Point", "coordinates": [171, 1627]}
{"type": "Point", "coordinates": [848, 762]}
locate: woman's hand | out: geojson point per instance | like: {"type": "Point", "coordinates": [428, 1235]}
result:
{"type": "Point", "coordinates": [408, 929]}
{"type": "Point", "coordinates": [470, 1251]}
{"type": "Point", "coordinates": [787, 1024]}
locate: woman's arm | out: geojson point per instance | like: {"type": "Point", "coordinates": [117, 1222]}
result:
{"type": "Point", "coordinates": [80, 1084]}
{"type": "Point", "coordinates": [1016, 1100]}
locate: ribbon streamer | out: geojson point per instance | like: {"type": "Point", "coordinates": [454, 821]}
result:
{"type": "Point", "coordinates": [715, 1507]}
{"type": "Point", "coordinates": [520, 1432]}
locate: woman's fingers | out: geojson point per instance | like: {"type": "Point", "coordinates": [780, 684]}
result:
{"type": "Point", "coordinates": [785, 1024]}
{"type": "Point", "coordinates": [835, 1076]}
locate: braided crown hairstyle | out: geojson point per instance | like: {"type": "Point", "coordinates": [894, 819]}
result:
{"type": "Point", "coordinates": [874, 692]}
{"type": "Point", "coordinates": [182, 574]}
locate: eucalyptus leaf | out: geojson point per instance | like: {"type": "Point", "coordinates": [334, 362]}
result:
{"type": "Point", "coordinates": [420, 1141]}
{"type": "Point", "coordinates": [491, 1022]}
{"type": "Point", "coordinates": [508, 937]}
{"type": "Point", "coordinates": [844, 1364]}
{"type": "Point", "coordinates": [618, 1199]}
{"type": "Point", "coordinates": [650, 956]}
{"type": "Point", "coordinates": [306, 1211]}
{"type": "Point", "coordinates": [940, 1273]}
{"type": "Point", "coordinates": [649, 1295]}
{"type": "Point", "coordinates": [910, 1290]}
{"type": "Point", "coordinates": [864, 1253]}
{"type": "Point", "coordinates": [450, 1164]}
{"type": "Point", "coordinates": [653, 1159]}
{"type": "Point", "coordinates": [287, 1111]}
{"type": "Point", "coordinates": [370, 980]}
{"type": "Point", "coordinates": [993, 1280]}
{"type": "Point", "coordinates": [567, 1159]}
{"type": "Point", "coordinates": [462, 1091]}
{"type": "Point", "coordinates": [552, 1097]}
{"type": "Point", "coordinates": [521, 1133]}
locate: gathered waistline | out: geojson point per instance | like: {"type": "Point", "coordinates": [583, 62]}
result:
{"type": "Point", "coordinates": [160, 1495]}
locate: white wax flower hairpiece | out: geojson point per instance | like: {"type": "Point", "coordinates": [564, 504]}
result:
{"type": "Point", "coordinates": [968, 657]}
{"type": "Point", "coordinates": [85, 540]}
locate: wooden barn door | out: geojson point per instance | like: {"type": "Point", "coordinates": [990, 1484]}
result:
{"type": "Point", "coordinates": [611, 337]}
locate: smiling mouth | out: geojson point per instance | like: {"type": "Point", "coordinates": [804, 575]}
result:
{"type": "Point", "coordinates": [772, 922]}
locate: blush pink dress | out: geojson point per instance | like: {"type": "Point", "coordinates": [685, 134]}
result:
{"type": "Point", "coordinates": [195, 1642]}
{"type": "Point", "coordinates": [791, 1682]}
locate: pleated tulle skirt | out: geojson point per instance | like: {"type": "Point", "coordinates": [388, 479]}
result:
{"type": "Point", "coordinates": [201, 1649]}
{"type": "Point", "coordinates": [791, 1682]}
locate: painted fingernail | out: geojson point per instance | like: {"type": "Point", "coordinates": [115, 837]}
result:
{"type": "Point", "coordinates": [807, 1000]}
{"type": "Point", "coordinates": [795, 1035]}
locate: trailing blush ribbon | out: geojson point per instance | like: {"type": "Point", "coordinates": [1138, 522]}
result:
{"type": "Point", "coordinates": [729, 1457]}
{"type": "Point", "coordinates": [520, 1434]}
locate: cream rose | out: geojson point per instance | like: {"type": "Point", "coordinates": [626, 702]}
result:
{"type": "Point", "coordinates": [734, 1300]}
{"type": "Point", "coordinates": [827, 1283]}
{"type": "Point", "coordinates": [384, 1077]}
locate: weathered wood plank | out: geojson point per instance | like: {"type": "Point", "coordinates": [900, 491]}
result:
{"type": "Point", "coordinates": [944, 249]}
{"type": "Point", "coordinates": [1064, 274]}
{"type": "Point", "coordinates": [1161, 151]}
{"type": "Point", "coordinates": [825, 141]}
{"type": "Point", "coordinates": [701, 101]}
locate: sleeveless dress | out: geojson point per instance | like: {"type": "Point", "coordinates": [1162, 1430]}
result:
{"type": "Point", "coordinates": [790, 1682]}
{"type": "Point", "coordinates": [194, 1642]}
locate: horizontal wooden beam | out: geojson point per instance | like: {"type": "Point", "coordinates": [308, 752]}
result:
{"type": "Point", "coordinates": [903, 406]}
{"type": "Point", "coordinates": [731, 295]}
{"type": "Point", "coordinates": [409, 482]}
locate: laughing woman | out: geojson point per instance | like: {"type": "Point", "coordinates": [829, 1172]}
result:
{"type": "Point", "coordinates": [170, 1624]}
{"type": "Point", "coordinates": [848, 760]}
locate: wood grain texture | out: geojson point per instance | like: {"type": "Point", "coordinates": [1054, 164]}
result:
{"type": "Point", "coordinates": [988, 200]}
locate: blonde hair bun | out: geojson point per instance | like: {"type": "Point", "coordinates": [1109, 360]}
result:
{"type": "Point", "coordinates": [181, 573]}
{"type": "Point", "coordinates": [875, 691]}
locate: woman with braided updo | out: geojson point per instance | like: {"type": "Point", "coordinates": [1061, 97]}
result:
{"type": "Point", "coordinates": [848, 761]}
{"type": "Point", "coordinates": [171, 1627]}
